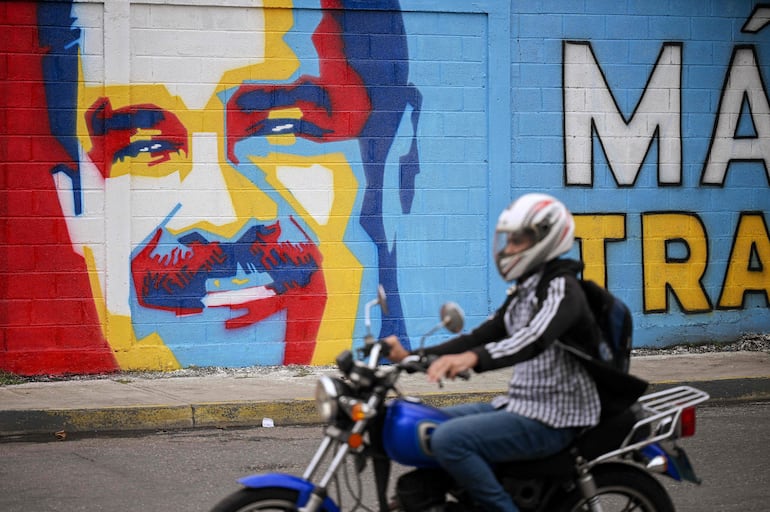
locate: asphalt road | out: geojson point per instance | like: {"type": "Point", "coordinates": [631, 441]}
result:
{"type": "Point", "coordinates": [192, 470]}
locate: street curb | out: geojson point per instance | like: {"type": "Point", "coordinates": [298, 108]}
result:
{"type": "Point", "coordinates": [725, 390]}
{"type": "Point", "coordinates": [250, 414]}
{"type": "Point", "coordinates": [106, 419]}
{"type": "Point", "coordinates": [20, 424]}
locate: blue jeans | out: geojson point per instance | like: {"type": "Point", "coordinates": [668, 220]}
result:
{"type": "Point", "coordinates": [479, 435]}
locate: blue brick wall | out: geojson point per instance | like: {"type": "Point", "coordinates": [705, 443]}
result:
{"type": "Point", "coordinates": [626, 39]}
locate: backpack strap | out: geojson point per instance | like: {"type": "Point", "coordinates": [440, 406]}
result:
{"type": "Point", "coordinates": [588, 347]}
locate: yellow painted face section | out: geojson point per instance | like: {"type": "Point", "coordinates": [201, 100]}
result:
{"type": "Point", "coordinates": [342, 270]}
{"type": "Point", "coordinates": [130, 353]}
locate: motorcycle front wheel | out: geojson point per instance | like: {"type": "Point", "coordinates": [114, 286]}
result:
{"type": "Point", "coordinates": [620, 488]}
{"type": "Point", "coordinates": [268, 499]}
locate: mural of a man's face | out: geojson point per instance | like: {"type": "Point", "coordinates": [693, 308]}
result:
{"type": "Point", "coordinates": [219, 196]}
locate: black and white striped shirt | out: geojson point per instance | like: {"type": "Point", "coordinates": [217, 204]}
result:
{"type": "Point", "coordinates": [548, 384]}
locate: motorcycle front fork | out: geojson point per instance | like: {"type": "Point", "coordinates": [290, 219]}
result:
{"type": "Point", "coordinates": [319, 492]}
{"type": "Point", "coordinates": [587, 487]}
{"type": "Point", "coordinates": [381, 472]}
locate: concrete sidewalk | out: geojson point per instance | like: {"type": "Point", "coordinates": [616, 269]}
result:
{"type": "Point", "coordinates": [285, 395]}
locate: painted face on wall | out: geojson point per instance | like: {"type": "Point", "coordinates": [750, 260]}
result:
{"type": "Point", "coordinates": [218, 195]}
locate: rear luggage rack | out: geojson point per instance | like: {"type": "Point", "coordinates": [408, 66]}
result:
{"type": "Point", "coordinates": [661, 412]}
{"type": "Point", "coordinates": [678, 398]}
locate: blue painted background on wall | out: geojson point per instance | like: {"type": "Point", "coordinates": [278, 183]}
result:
{"type": "Point", "coordinates": [466, 157]}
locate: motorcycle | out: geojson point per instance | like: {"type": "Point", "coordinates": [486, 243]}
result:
{"type": "Point", "coordinates": [607, 468]}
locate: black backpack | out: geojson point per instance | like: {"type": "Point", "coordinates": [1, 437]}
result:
{"type": "Point", "coordinates": [615, 323]}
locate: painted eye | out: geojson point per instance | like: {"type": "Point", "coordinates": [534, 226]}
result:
{"type": "Point", "coordinates": [282, 126]}
{"type": "Point", "coordinates": [288, 127]}
{"type": "Point", "coordinates": [152, 148]}
{"type": "Point", "coordinates": [155, 148]}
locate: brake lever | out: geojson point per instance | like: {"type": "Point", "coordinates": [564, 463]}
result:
{"type": "Point", "coordinates": [463, 375]}
{"type": "Point", "coordinates": [413, 364]}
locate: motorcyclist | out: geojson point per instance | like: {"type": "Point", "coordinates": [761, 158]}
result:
{"type": "Point", "coordinates": [551, 397]}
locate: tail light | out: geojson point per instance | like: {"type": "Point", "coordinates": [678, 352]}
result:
{"type": "Point", "coordinates": [687, 422]}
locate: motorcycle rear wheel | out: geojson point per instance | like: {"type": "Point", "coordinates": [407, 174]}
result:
{"type": "Point", "coordinates": [621, 487]}
{"type": "Point", "coordinates": [269, 499]}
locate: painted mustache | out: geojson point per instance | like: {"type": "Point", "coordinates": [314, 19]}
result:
{"type": "Point", "coordinates": [176, 280]}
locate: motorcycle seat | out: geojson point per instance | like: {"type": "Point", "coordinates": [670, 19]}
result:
{"type": "Point", "coordinates": [606, 436]}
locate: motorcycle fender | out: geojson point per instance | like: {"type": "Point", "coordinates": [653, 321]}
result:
{"type": "Point", "coordinates": [678, 458]}
{"type": "Point", "coordinates": [678, 465]}
{"type": "Point", "coordinates": [295, 483]}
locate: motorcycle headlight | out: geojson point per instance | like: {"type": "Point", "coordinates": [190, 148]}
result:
{"type": "Point", "coordinates": [328, 391]}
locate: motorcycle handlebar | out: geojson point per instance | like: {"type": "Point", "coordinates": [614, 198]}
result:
{"type": "Point", "coordinates": [369, 345]}
{"type": "Point", "coordinates": [420, 363]}
{"type": "Point", "coordinates": [415, 363]}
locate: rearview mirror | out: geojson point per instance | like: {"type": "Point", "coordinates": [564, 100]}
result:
{"type": "Point", "coordinates": [452, 317]}
{"type": "Point", "coordinates": [382, 300]}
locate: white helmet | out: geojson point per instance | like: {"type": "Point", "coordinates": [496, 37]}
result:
{"type": "Point", "coordinates": [541, 225]}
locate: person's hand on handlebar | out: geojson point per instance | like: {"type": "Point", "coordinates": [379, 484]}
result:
{"type": "Point", "coordinates": [450, 366]}
{"type": "Point", "coordinates": [397, 351]}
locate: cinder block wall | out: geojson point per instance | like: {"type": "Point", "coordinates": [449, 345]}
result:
{"type": "Point", "coordinates": [223, 184]}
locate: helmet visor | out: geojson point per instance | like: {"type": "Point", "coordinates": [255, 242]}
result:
{"type": "Point", "coordinates": [509, 243]}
